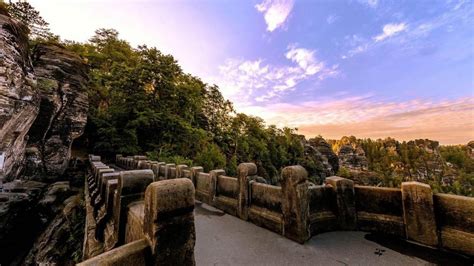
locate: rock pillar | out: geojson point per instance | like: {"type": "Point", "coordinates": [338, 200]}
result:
{"type": "Point", "coordinates": [418, 213]}
{"type": "Point", "coordinates": [243, 172]}
{"type": "Point", "coordinates": [345, 200]}
{"type": "Point", "coordinates": [295, 206]}
{"type": "Point", "coordinates": [169, 224]}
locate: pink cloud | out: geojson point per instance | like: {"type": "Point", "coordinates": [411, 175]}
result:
{"type": "Point", "coordinates": [450, 121]}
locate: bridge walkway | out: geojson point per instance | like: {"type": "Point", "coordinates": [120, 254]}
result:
{"type": "Point", "coordinates": [222, 239]}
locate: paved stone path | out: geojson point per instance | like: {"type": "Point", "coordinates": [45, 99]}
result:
{"type": "Point", "coordinates": [226, 240]}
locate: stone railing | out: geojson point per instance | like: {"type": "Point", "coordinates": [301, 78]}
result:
{"type": "Point", "coordinates": [297, 209]}
{"type": "Point", "coordinates": [131, 221]}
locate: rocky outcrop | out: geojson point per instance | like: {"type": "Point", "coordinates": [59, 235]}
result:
{"type": "Point", "coordinates": [62, 116]}
{"type": "Point", "coordinates": [61, 242]}
{"type": "Point", "coordinates": [352, 157]}
{"type": "Point", "coordinates": [470, 149]}
{"type": "Point", "coordinates": [19, 218]}
{"type": "Point", "coordinates": [326, 150]}
{"type": "Point", "coordinates": [319, 159]}
{"type": "Point", "coordinates": [19, 98]}
{"type": "Point", "coordinates": [27, 208]}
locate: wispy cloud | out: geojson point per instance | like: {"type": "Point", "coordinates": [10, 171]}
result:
{"type": "Point", "coordinates": [275, 12]}
{"type": "Point", "coordinates": [246, 81]}
{"type": "Point", "coordinates": [389, 30]}
{"type": "Point", "coordinates": [370, 3]}
{"type": "Point", "coordinates": [331, 19]}
{"type": "Point", "coordinates": [450, 121]}
{"type": "Point", "coordinates": [403, 34]}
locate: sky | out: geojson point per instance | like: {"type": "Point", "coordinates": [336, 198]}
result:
{"type": "Point", "coordinates": [369, 68]}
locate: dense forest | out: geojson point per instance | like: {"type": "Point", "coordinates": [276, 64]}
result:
{"type": "Point", "coordinates": [141, 102]}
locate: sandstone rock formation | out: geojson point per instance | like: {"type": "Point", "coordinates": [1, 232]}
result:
{"type": "Point", "coordinates": [19, 219]}
{"type": "Point", "coordinates": [62, 116]}
{"type": "Point", "coordinates": [19, 98]}
{"type": "Point", "coordinates": [320, 158]}
{"type": "Point", "coordinates": [470, 147]}
{"type": "Point", "coordinates": [60, 242]}
{"type": "Point", "coordinates": [352, 157]}
{"type": "Point", "coordinates": [325, 149]}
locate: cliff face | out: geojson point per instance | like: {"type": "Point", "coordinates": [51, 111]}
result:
{"type": "Point", "coordinates": [43, 108]}
{"type": "Point", "coordinates": [320, 160]}
{"type": "Point", "coordinates": [353, 157]}
{"type": "Point", "coordinates": [62, 116]}
{"type": "Point", "coordinates": [19, 98]}
{"type": "Point", "coordinates": [325, 149]}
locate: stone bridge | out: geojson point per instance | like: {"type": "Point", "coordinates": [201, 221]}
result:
{"type": "Point", "coordinates": [142, 212]}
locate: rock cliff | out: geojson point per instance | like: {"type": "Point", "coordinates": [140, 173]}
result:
{"type": "Point", "coordinates": [19, 97]}
{"type": "Point", "coordinates": [61, 77]}
{"type": "Point", "coordinates": [353, 157]}
{"type": "Point", "coordinates": [43, 108]}
{"type": "Point", "coordinates": [319, 159]}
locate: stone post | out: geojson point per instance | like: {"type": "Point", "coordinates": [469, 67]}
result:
{"type": "Point", "coordinates": [418, 213]}
{"type": "Point", "coordinates": [169, 224]}
{"type": "Point", "coordinates": [195, 172]}
{"type": "Point", "coordinates": [243, 172]}
{"type": "Point", "coordinates": [213, 186]}
{"type": "Point", "coordinates": [95, 189]}
{"type": "Point", "coordinates": [156, 170]}
{"type": "Point", "coordinates": [131, 187]}
{"type": "Point", "coordinates": [94, 158]}
{"type": "Point", "coordinates": [345, 200]}
{"type": "Point", "coordinates": [295, 205]}
{"type": "Point", "coordinates": [167, 174]}
{"type": "Point", "coordinates": [179, 170]}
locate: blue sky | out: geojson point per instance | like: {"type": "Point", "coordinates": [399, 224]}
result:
{"type": "Point", "coordinates": [370, 68]}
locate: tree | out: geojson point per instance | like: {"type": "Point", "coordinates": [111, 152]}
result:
{"type": "Point", "coordinates": [39, 28]}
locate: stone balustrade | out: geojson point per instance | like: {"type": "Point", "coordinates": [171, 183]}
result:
{"type": "Point", "coordinates": [124, 212]}
{"type": "Point", "coordinates": [130, 219]}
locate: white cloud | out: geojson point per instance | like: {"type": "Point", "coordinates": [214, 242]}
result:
{"type": "Point", "coordinates": [247, 81]}
{"type": "Point", "coordinates": [275, 12]}
{"type": "Point", "coordinates": [390, 30]}
{"type": "Point", "coordinates": [305, 59]}
{"type": "Point", "coordinates": [331, 19]}
{"type": "Point", "coordinates": [370, 3]}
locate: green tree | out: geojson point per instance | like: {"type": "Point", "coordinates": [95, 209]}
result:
{"type": "Point", "coordinates": [26, 13]}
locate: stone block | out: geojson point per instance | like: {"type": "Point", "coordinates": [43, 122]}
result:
{"type": "Point", "coordinates": [135, 253]}
{"type": "Point", "coordinates": [295, 205]}
{"type": "Point", "coordinates": [194, 172]}
{"type": "Point", "coordinates": [167, 173]}
{"type": "Point", "coordinates": [244, 170]}
{"type": "Point", "coordinates": [131, 187]}
{"type": "Point", "coordinates": [179, 170]}
{"type": "Point", "coordinates": [418, 213]}
{"type": "Point", "coordinates": [169, 221]}
{"type": "Point", "coordinates": [345, 200]}
{"type": "Point", "coordinates": [213, 186]}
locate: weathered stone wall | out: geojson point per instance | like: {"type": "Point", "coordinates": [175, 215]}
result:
{"type": "Point", "coordinates": [455, 221]}
{"type": "Point", "coordinates": [132, 220]}
{"type": "Point", "coordinates": [322, 209]}
{"type": "Point", "coordinates": [299, 209]}
{"type": "Point", "coordinates": [264, 208]}
{"type": "Point", "coordinates": [380, 210]}
{"type": "Point", "coordinates": [62, 80]}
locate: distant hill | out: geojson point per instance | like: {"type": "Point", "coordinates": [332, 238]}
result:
{"type": "Point", "coordinates": [388, 162]}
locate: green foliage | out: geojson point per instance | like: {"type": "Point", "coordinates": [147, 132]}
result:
{"type": "Point", "coordinates": [24, 12]}
{"type": "Point", "coordinates": [210, 157]}
{"type": "Point", "coordinates": [141, 101]}
{"type": "Point", "coordinates": [344, 172]}
{"type": "Point", "coordinates": [394, 162]}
